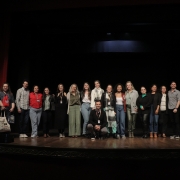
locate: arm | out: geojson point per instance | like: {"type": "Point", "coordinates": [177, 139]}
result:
{"type": "Point", "coordinates": [178, 103]}
{"type": "Point", "coordinates": [92, 99]}
{"type": "Point", "coordinates": [18, 96]}
{"type": "Point", "coordinates": [12, 104]}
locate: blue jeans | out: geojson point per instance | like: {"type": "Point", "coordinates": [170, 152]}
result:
{"type": "Point", "coordinates": [85, 110]}
{"type": "Point", "coordinates": [153, 123]}
{"type": "Point", "coordinates": [120, 117]}
{"type": "Point", "coordinates": [23, 121]}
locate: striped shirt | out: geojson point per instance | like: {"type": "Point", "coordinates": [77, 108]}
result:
{"type": "Point", "coordinates": [22, 99]}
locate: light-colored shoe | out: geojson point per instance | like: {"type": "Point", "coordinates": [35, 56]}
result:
{"type": "Point", "coordinates": [172, 137]}
{"type": "Point", "coordinates": [25, 136]}
{"type": "Point", "coordinates": [123, 137]}
{"type": "Point", "coordinates": [118, 136]}
{"type": "Point", "coordinates": [33, 136]}
{"type": "Point", "coordinates": [60, 135]}
{"type": "Point", "coordinates": [63, 135]}
{"type": "Point", "coordinates": [21, 135]}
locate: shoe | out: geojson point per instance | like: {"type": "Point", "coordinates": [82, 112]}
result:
{"type": "Point", "coordinates": [172, 137]}
{"type": "Point", "coordinates": [21, 135]}
{"type": "Point", "coordinates": [63, 135]}
{"type": "Point", "coordinates": [45, 136]}
{"type": "Point", "coordinates": [176, 137]}
{"type": "Point", "coordinates": [151, 135]}
{"type": "Point", "coordinates": [60, 135]}
{"type": "Point", "coordinates": [33, 136]}
{"type": "Point", "coordinates": [25, 136]}
{"type": "Point", "coordinates": [130, 134]}
{"type": "Point", "coordinates": [164, 136]}
{"type": "Point", "coordinates": [93, 137]}
{"type": "Point", "coordinates": [145, 136]}
{"type": "Point", "coordinates": [155, 135]}
{"type": "Point", "coordinates": [118, 136]}
{"type": "Point", "coordinates": [115, 136]}
{"type": "Point", "coordinates": [123, 137]}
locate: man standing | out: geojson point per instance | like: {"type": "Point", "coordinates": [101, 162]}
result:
{"type": "Point", "coordinates": [22, 103]}
{"type": "Point", "coordinates": [97, 122]}
{"type": "Point", "coordinates": [173, 106]}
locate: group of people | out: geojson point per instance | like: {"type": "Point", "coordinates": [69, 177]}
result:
{"type": "Point", "coordinates": [103, 112]}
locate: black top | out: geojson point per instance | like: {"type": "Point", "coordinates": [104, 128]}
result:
{"type": "Point", "coordinates": [93, 118]}
{"type": "Point", "coordinates": [10, 97]}
{"type": "Point", "coordinates": [156, 101]}
{"type": "Point", "coordinates": [145, 102]}
{"type": "Point", "coordinates": [61, 100]}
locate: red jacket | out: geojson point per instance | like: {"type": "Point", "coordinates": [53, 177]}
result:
{"type": "Point", "coordinates": [35, 100]}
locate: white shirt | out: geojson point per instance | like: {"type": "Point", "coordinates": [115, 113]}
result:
{"type": "Point", "coordinates": [163, 103]}
{"type": "Point", "coordinates": [86, 99]}
{"type": "Point", "coordinates": [119, 100]}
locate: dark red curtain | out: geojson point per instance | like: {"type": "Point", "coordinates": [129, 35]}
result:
{"type": "Point", "coordinates": [4, 45]}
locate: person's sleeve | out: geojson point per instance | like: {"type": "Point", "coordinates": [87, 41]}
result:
{"type": "Point", "coordinates": [179, 96]}
{"type": "Point", "coordinates": [92, 99]}
{"type": "Point", "coordinates": [17, 99]}
{"type": "Point", "coordinates": [104, 121]}
{"type": "Point", "coordinates": [137, 103]}
{"type": "Point", "coordinates": [91, 119]}
{"type": "Point", "coordinates": [102, 101]}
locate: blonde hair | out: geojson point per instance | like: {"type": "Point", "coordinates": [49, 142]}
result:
{"type": "Point", "coordinates": [70, 88]}
{"type": "Point", "coordinates": [131, 85]}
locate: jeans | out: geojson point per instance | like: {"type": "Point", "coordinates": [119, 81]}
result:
{"type": "Point", "coordinates": [92, 131]}
{"type": "Point", "coordinates": [120, 117]}
{"type": "Point", "coordinates": [175, 121]}
{"type": "Point", "coordinates": [46, 115]}
{"type": "Point", "coordinates": [23, 121]}
{"type": "Point", "coordinates": [163, 118]}
{"type": "Point", "coordinates": [85, 110]}
{"type": "Point", "coordinates": [35, 116]}
{"type": "Point", "coordinates": [153, 123]}
{"type": "Point", "coordinates": [131, 120]}
{"type": "Point", "coordinates": [144, 120]}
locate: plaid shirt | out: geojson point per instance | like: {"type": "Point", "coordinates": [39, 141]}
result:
{"type": "Point", "coordinates": [22, 99]}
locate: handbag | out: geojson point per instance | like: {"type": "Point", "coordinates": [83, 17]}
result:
{"type": "Point", "coordinates": [4, 125]}
{"type": "Point", "coordinates": [11, 119]}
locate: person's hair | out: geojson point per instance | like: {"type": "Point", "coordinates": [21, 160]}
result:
{"type": "Point", "coordinates": [89, 90]}
{"type": "Point", "coordinates": [97, 81]}
{"type": "Point", "coordinates": [152, 86]}
{"type": "Point", "coordinates": [44, 95]}
{"type": "Point", "coordinates": [143, 87]}
{"type": "Point", "coordinates": [161, 88]}
{"type": "Point", "coordinates": [131, 85]}
{"type": "Point", "coordinates": [97, 101]}
{"type": "Point", "coordinates": [58, 88]}
{"type": "Point", "coordinates": [9, 89]}
{"type": "Point", "coordinates": [173, 82]}
{"type": "Point", "coordinates": [111, 86]}
{"type": "Point", "coordinates": [25, 81]}
{"type": "Point", "coordinates": [115, 88]}
{"type": "Point", "coordinates": [70, 88]}
{"type": "Point", "coordinates": [34, 87]}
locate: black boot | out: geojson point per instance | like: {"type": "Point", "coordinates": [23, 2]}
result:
{"type": "Point", "coordinates": [115, 136]}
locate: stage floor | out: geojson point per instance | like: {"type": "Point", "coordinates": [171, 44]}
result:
{"type": "Point", "coordinates": [110, 143]}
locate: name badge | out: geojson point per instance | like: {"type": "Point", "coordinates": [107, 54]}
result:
{"type": "Point", "coordinates": [7, 101]}
{"type": "Point", "coordinates": [99, 121]}
{"type": "Point", "coordinates": [109, 103]}
{"type": "Point", "coordinates": [38, 100]}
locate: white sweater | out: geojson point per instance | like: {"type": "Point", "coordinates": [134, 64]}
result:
{"type": "Point", "coordinates": [96, 94]}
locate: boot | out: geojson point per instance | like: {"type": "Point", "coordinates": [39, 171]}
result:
{"type": "Point", "coordinates": [130, 134]}
{"type": "Point", "coordinates": [155, 135]}
{"type": "Point", "coordinates": [151, 135]}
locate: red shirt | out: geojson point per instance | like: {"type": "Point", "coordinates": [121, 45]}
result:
{"type": "Point", "coordinates": [35, 100]}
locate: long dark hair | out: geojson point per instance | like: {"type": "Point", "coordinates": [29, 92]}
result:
{"type": "Point", "coordinates": [89, 91]}
{"type": "Point", "coordinates": [115, 88]}
{"type": "Point", "coordinates": [44, 95]}
{"type": "Point", "coordinates": [161, 88]}
{"type": "Point", "coordinates": [58, 91]}
{"type": "Point", "coordinates": [157, 90]}
{"type": "Point", "coordinates": [9, 89]}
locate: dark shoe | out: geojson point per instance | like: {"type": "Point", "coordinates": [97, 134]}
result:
{"type": "Point", "coordinates": [115, 136]}
{"type": "Point", "coordinates": [108, 135]}
{"type": "Point", "coordinates": [145, 136]}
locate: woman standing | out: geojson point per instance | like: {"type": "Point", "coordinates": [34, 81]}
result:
{"type": "Point", "coordinates": [163, 112]}
{"type": "Point", "coordinates": [144, 106]}
{"type": "Point", "coordinates": [108, 102]}
{"type": "Point", "coordinates": [47, 108]}
{"type": "Point", "coordinates": [154, 113]}
{"type": "Point", "coordinates": [7, 100]}
{"type": "Point", "coordinates": [131, 97]}
{"type": "Point", "coordinates": [60, 110]}
{"type": "Point", "coordinates": [74, 103]}
{"type": "Point", "coordinates": [120, 110]}
{"type": "Point", "coordinates": [85, 107]}
{"type": "Point", "coordinates": [96, 93]}
{"type": "Point", "coordinates": [35, 100]}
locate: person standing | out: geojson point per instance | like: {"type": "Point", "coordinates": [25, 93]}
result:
{"type": "Point", "coordinates": [108, 103]}
{"type": "Point", "coordinates": [120, 110]}
{"type": "Point", "coordinates": [60, 110]}
{"type": "Point", "coordinates": [22, 104]}
{"type": "Point", "coordinates": [35, 100]}
{"type": "Point", "coordinates": [131, 96]}
{"type": "Point", "coordinates": [73, 97]}
{"type": "Point", "coordinates": [163, 112]}
{"type": "Point", "coordinates": [47, 108]}
{"type": "Point", "coordinates": [144, 106]}
{"type": "Point", "coordinates": [7, 100]}
{"type": "Point", "coordinates": [173, 106]}
{"type": "Point", "coordinates": [154, 113]}
{"type": "Point", "coordinates": [85, 107]}
{"type": "Point", "coordinates": [96, 93]}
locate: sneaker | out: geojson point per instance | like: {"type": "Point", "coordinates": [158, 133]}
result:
{"type": "Point", "coordinates": [21, 135]}
{"type": "Point", "coordinates": [60, 135]}
{"type": "Point", "coordinates": [93, 137]}
{"type": "Point", "coordinates": [118, 136]}
{"type": "Point", "coordinates": [176, 137]}
{"type": "Point", "coordinates": [172, 137]}
{"type": "Point", "coordinates": [25, 136]}
{"type": "Point", "coordinates": [33, 136]}
{"type": "Point", "coordinates": [123, 137]}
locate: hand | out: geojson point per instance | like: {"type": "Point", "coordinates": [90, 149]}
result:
{"type": "Point", "coordinates": [19, 110]}
{"type": "Point", "coordinates": [156, 112]}
{"type": "Point", "coordinates": [115, 113]}
{"type": "Point", "coordinates": [64, 94]}
{"type": "Point", "coordinates": [11, 110]}
{"type": "Point", "coordinates": [142, 108]}
{"type": "Point", "coordinates": [97, 127]}
{"type": "Point", "coordinates": [2, 108]}
{"type": "Point", "coordinates": [175, 111]}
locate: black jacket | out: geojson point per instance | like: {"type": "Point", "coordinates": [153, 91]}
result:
{"type": "Point", "coordinates": [93, 118]}
{"type": "Point", "coordinates": [51, 100]}
{"type": "Point", "coordinates": [156, 101]}
{"type": "Point", "coordinates": [145, 102]}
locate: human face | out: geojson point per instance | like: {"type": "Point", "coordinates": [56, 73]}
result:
{"type": "Point", "coordinates": [46, 91]}
{"type": "Point", "coordinates": [173, 85]}
{"type": "Point", "coordinates": [119, 88]}
{"type": "Point", "coordinates": [86, 86]}
{"type": "Point", "coordinates": [109, 89]}
{"type": "Point", "coordinates": [36, 89]}
{"type": "Point", "coordinates": [163, 89]}
{"type": "Point", "coordinates": [98, 105]}
{"type": "Point", "coordinates": [5, 87]}
{"type": "Point", "coordinates": [143, 90]}
{"type": "Point", "coordinates": [129, 86]}
{"type": "Point", "coordinates": [25, 84]}
{"type": "Point", "coordinates": [74, 88]}
{"type": "Point", "coordinates": [60, 87]}
{"type": "Point", "coordinates": [154, 88]}
{"type": "Point", "coordinates": [97, 85]}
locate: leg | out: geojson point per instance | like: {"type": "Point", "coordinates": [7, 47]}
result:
{"type": "Point", "coordinates": [85, 114]}
{"type": "Point", "coordinates": [78, 121]}
{"type": "Point", "coordinates": [145, 125]}
{"type": "Point", "coordinates": [39, 112]}
{"type": "Point", "coordinates": [90, 129]}
{"type": "Point", "coordinates": [122, 121]}
{"type": "Point", "coordinates": [164, 124]}
{"type": "Point", "coordinates": [133, 121]}
{"type": "Point", "coordinates": [177, 122]}
{"type": "Point", "coordinates": [33, 118]}
{"type": "Point", "coordinates": [114, 127]}
{"type": "Point", "coordinates": [171, 115]}
{"type": "Point", "coordinates": [21, 119]}
{"type": "Point", "coordinates": [129, 117]}
{"type": "Point", "coordinates": [26, 120]}
{"type": "Point", "coordinates": [71, 121]}
{"type": "Point", "coordinates": [156, 118]}
{"type": "Point", "coordinates": [104, 131]}
{"type": "Point", "coordinates": [118, 119]}
{"type": "Point", "coordinates": [44, 117]}
{"type": "Point", "coordinates": [151, 120]}
{"type": "Point", "coordinates": [49, 117]}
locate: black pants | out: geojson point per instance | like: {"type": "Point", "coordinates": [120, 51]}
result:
{"type": "Point", "coordinates": [46, 115]}
{"type": "Point", "coordinates": [163, 119]}
{"type": "Point", "coordinates": [144, 121]}
{"type": "Point", "coordinates": [23, 121]}
{"type": "Point", "coordinates": [175, 121]}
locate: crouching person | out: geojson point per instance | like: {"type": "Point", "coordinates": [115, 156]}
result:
{"type": "Point", "coordinates": [97, 122]}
